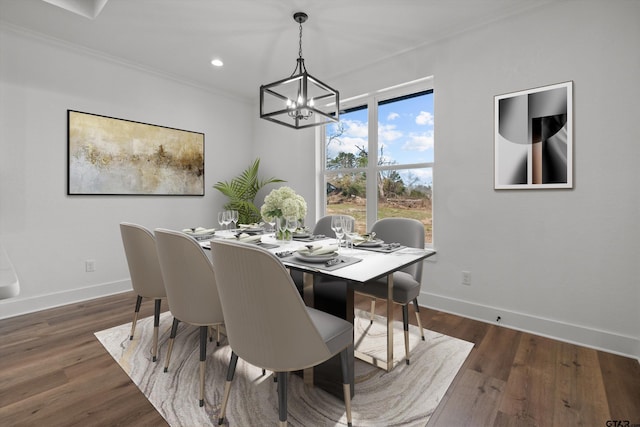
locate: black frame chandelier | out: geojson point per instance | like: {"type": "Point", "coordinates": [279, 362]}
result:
{"type": "Point", "coordinates": [299, 101]}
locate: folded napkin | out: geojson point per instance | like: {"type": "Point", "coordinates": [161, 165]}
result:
{"type": "Point", "coordinates": [198, 230]}
{"type": "Point", "coordinates": [249, 238]}
{"type": "Point", "coordinates": [357, 239]}
{"type": "Point", "coordinates": [318, 249]}
{"type": "Point", "coordinates": [254, 225]}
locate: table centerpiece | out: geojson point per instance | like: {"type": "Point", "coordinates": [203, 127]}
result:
{"type": "Point", "coordinates": [281, 204]}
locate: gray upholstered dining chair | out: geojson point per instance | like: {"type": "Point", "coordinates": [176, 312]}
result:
{"type": "Point", "coordinates": [268, 324]}
{"type": "Point", "coordinates": [323, 225]}
{"type": "Point", "coordinates": [406, 283]}
{"type": "Point", "coordinates": [192, 292]}
{"type": "Point", "coordinates": [146, 278]}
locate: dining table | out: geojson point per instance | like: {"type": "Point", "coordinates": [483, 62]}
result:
{"type": "Point", "coordinates": [357, 264]}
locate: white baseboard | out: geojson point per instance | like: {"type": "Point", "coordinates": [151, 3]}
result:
{"type": "Point", "coordinates": [588, 337]}
{"type": "Point", "coordinates": [16, 306]}
{"type": "Point", "coordinates": [574, 334]}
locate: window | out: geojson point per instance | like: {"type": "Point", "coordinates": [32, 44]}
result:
{"type": "Point", "coordinates": [378, 160]}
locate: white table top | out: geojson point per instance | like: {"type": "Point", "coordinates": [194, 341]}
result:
{"type": "Point", "coordinates": [373, 264]}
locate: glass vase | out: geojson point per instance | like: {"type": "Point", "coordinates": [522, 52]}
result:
{"type": "Point", "coordinates": [282, 233]}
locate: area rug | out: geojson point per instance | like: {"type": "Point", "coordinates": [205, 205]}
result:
{"type": "Point", "coordinates": [406, 396]}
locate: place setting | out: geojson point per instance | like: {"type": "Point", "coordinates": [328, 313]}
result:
{"type": "Point", "coordinates": [304, 235]}
{"type": "Point", "coordinates": [200, 233]}
{"type": "Point", "coordinates": [326, 257]}
{"type": "Point", "coordinates": [251, 228]}
{"type": "Point", "coordinates": [245, 233]}
{"type": "Point", "coordinates": [369, 242]}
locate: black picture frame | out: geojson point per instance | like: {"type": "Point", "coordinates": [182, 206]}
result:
{"type": "Point", "coordinates": [111, 156]}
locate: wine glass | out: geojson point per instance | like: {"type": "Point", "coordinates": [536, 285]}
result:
{"type": "Point", "coordinates": [221, 218]}
{"type": "Point", "coordinates": [226, 219]}
{"type": "Point", "coordinates": [235, 215]}
{"type": "Point", "coordinates": [269, 220]}
{"type": "Point", "coordinates": [347, 227]}
{"type": "Point", "coordinates": [292, 224]}
{"type": "Point", "coordinates": [336, 226]}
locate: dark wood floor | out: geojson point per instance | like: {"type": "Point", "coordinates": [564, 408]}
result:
{"type": "Point", "coordinates": [54, 372]}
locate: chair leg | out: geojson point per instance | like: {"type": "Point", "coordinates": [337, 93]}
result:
{"type": "Point", "coordinates": [172, 337]}
{"type": "Point", "coordinates": [227, 386]}
{"type": "Point", "coordinates": [373, 310]}
{"type": "Point", "coordinates": [415, 305]}
{"type": "Point", "coordinates": [156, 328]}
{"type": "Point", "coordinates": [282, 398]}
{"type": "Point", "coordinates": [405, 324]}
{"type": "Point", "coordinates": [135, 316]}
{"type": "Point", "coordinates": [346, 384]}
{"type": "Point", "coordinates": [204, 332]}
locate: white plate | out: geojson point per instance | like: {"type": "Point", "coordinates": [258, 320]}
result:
{"type": "Point", "coordinates": [250, 239]}
{"type": "Point", "coordinates": [316, 258]}
{"type": "Point", "coordinates": [252, 230]}
{"type": "Point", "coordinates": [372, 244]}
{"type": "Point", "coordinates": [301, 235]}
{"type": "Point", "coordinates": [202, 236]}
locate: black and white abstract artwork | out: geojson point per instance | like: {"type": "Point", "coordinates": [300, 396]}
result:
{"type": "Point", "coordinates": [534, 138]}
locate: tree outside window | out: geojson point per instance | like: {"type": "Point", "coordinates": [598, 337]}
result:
{"type": "Point", "coordinates": [393, 160]}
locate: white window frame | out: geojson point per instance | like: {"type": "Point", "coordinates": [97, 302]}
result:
{"type": "Point", "coordinates": [371, 100]}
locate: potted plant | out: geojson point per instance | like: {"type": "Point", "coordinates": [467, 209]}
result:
{"type": "Point", "coordinates": [242, 191]}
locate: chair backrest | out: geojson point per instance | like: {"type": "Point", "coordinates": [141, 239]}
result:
{"type": "Point", "coordinates": [142, 258]}
{"type": "Point", "coordinates": [323, 226]}
{"type": "Point", "coordinates": [266, 320]}
{"type": "Point", "coordinates": [189, 279]}
{"type": "Point", "coordinates": [407, 232]}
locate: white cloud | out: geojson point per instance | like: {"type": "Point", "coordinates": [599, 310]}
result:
{"type": "Point", "coordinates": [419, 142]}
{"type": "Point", "coordinates": [424, 118]}
{"type": "Point", "coordinates": [388, 133]}
{"type": "Point", "coordinates": [355, 128]}
{"type": "Point", "coordinates": [351, 143]}
{"type": "Point", "coordinates": [393, 116]}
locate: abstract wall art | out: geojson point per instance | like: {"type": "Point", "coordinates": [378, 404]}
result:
{"type": "Point", "coordinates": [110, 156]}
{"type": "Point", "coordinates": [533, 141]}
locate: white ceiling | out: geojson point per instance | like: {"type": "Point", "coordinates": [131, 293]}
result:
{"type": "Point", "coordinates": [256, 39]}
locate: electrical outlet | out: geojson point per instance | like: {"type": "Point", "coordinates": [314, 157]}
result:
{"type": "Point", "coordinates": [90, 265]}
{"type": "Point", "coordinates": [466, 278]}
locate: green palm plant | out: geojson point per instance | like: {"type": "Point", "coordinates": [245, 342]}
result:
{"type": "Point", "coordinates": [242, 191]}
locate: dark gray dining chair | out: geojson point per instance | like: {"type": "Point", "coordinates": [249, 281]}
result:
{"type": "Point", "coordinates": [192, 292]}
{"type": "Point", "coordinates": [146, 277]}
{"type": "Point", "coordinates": [268, 324]}
{"type": "Point", "coordinates": [407, 282]}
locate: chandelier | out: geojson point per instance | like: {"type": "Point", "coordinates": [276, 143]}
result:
{"type": "Point", "coordinates": [301, 100]}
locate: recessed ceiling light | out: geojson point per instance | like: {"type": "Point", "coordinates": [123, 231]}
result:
{"type": "Point", "coordinates": [217, 62]}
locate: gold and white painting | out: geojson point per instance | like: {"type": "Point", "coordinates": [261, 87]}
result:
{"type": "Point", "coordinates": [119, 157]}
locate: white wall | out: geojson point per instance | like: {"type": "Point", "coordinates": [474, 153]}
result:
{"type": "Point", "coordinates": [287, 154]}
{"type": "Point", "coordinates": [561, 263]}
{"type": "Point", "coordinates": [49, 235]}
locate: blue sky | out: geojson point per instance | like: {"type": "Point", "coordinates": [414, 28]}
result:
{"type": "Point", "coordinates": [405, 129]}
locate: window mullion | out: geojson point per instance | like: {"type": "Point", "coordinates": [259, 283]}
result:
{"type": "Point", "coordinates": [372, 163]}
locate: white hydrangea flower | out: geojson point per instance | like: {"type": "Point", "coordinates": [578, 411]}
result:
{"type": "Point", "coordinates": [284, 202]}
